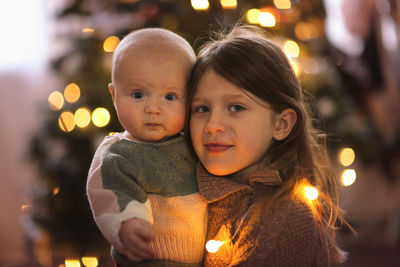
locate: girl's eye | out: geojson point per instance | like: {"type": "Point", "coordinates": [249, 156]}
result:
{"type": "Point", "coordinates": [137, 95]}
{"type": "Point", "coordinates": [201, 109]}
{"type": "Point", "coordinates": [236, 108]}
{"type": "Point", "coordinates": [170, 97]}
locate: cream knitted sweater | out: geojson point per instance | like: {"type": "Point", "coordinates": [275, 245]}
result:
{"type": "Point", "coordinates": [155, 182]}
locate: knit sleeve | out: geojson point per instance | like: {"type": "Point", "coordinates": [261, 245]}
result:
{"type": "Point", "coordinates": [113, 193]}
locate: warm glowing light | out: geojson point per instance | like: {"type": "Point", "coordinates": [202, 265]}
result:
{"type": "Point", "coordinates": [228, 3]}
{"type": "Point", "coordinates": [282, 4]}
{"type": "Point", "coordinates": [170, 22]}
{"type": "Point", "coordinates": [110, 43]}
{"type": "Point", "coordinates": [311, 192]}
{"type": "Point", "coordinates": [252, 15]}
{"type": "Point", "coordinates": [266, 19]}
{"type": "Point", "coordinates": [111, 133]}
{"type": "Point", "coordinates": [56, 100]}
{"type": "Point", "coordinates": [24, 207]}
{"type": "Point", "coordinates": [213, 246]}
{"type": "Point", "coordinates": [311, 65]}
{"type": "Point", "coordinates": [56, 190]}
{"type": "Point", "coordinates": [348, 177]}
{"type": "Point", "coordinates": [305, 31]}
{"type": "Point", "coordinates": [295, 66]}
{"type": "Point", "coordinates": [72, 92]}
{"type": "Point", "coordinates": [87, 30]}
{"type": "Point", "coordinates": [66, 121]}
{"type": "Point", "coordinates": [82, 117]}
{"type": "Point", "coordinates": [100, 117]}
{"type": "Point", "coordinates": [90, 261]}
{"type": "Point", "coordinates": [346, 156]}
{"type": "Point", "coordinates": [200, 4]}
{"type": "Point", "coordinates": [72, 263]}
{"type": "Point", "coordinates": [291, 48]}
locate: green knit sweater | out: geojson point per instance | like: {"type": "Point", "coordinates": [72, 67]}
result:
{"type": "Point", "coordinates": [155, 182]}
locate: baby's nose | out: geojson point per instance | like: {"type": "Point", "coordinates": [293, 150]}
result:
{"type": "Point", "coordinates": [152, 107]}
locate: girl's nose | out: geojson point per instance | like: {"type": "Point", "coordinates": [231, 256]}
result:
{"type": "Point", "coordinates": [215, 124]}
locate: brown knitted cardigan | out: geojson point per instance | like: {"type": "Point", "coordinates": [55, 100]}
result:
{"type": "Point", "coordinates": [254, 235]}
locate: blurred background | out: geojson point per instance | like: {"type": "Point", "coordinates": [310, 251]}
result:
{"type": "Point", "coordinates": [55, 58]}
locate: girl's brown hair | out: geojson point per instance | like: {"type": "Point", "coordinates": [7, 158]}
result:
{"type": "Point", "coordinates": [247, 58]}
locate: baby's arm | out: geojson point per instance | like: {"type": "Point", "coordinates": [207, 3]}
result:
{"type": "Point", "coordinates": [113, 197]}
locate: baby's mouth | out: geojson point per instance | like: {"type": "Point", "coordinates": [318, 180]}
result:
{"type": "Point", "coordinates": [152, 124]}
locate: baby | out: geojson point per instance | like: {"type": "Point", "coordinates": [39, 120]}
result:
{"type": "Point", "coordinates": [142, 183]}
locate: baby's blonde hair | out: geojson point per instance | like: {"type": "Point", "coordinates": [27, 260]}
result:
{"type": "Point", "coordinates": [152, 41]}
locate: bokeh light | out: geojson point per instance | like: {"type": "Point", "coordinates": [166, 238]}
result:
{"type": "Point", "coordinates": [72, 263]}
{"type": "Point", "coordinates": [82, 117]}
{"type": "Point", "coordinates": [66, 121]}
{"type": "Point", "coordinates": [295, 66]}
{"type": "Point", "coordinates": [72, 93]}
{"type": "Point", "coordinates": [88, 30]}
{"type": "Point", "coordinates": [291, 48]}
{"type": "Point", "coordinates": [25, 207]}
{"type": "Point", "coordinates": [305, 31]}
{"type": "Point", "coordinates": [100, 117]}
{"type": "Point", "coordinates": [228, 3]}
{"type": "Point", "coordinates": [252, 15]}
{"type": "Point", "coordinates": [90, 261]}
{"type": "Point", "coordinates": [56, 190]}
{"type": "Point", "coordinates": [200, 4]}
{"type": "Point", "coordinates": [266, 19]}
{"type": "Point", "coordinates": [56, 100]}
{"type": "Point", "coordinates": [311, 192]}
{"type": "Point", "coordinates": [346, 156]}
{"type": "Point", "coordinates": [282, 4]}
{"type": "Point", "coordinates": [213, 246]}
{"type": "Point", "coordinates": [348, 177]}
{"type": "Point", "coordinates": [170, 22]}
{"type": "Point", "coordinates": [110, 43]}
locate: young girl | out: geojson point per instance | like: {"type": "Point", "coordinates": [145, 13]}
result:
{"type": "Point", "coordinates": [259, 158]}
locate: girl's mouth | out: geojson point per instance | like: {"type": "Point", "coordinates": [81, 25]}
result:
{"type": "Point", "coordinates": [217, 148]}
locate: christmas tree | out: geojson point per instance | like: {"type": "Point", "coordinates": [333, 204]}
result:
{"type": "Point", "coordinates": [81, 113]}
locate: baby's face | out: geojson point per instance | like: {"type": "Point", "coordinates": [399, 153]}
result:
{"type": "Point", "coordinates": [149, 96]}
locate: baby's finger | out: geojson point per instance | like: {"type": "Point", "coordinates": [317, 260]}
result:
{"type": "Point", "coordinates": [145, 231]}
{"type": "Point", "coordinates": [142, 248]}
{"type": "Point", "coordinates": [141, 254]}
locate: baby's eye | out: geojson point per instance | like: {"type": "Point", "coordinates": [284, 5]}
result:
{"type": "Point", "coordinates": [201, 109]}
{"type": "Point", "coordinates": [170, 97]}
{"type": "Point", "coordinates": [137, 95]}
{"type": "Point", "coordinates": [236, 108]}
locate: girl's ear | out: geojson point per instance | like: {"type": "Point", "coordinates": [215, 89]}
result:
{"type": "Point", "coordinates": [111, 90]}
{"type": "Point", "coordinates": [284, 124]}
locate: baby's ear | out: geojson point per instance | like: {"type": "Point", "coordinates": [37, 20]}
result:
{"type": "Point", "coordinates": [284, 123]}
{"type": "Point", "coordinates": [111, 90]}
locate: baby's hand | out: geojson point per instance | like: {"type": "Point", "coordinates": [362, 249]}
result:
{"type": "Point", "coordinates": [135, 235]}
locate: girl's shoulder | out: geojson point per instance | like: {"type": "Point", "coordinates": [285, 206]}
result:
{"type": "Point", "coordinates": [289, 231]}
{"type": "Point", "coordinates": [287, 216]}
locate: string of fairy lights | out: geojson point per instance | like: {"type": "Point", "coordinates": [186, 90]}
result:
{"type": "Point", "coordinates": [268, 17]}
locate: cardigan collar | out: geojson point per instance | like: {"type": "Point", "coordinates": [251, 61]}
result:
{"type": "Point", "coordinates": [214, 188]}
